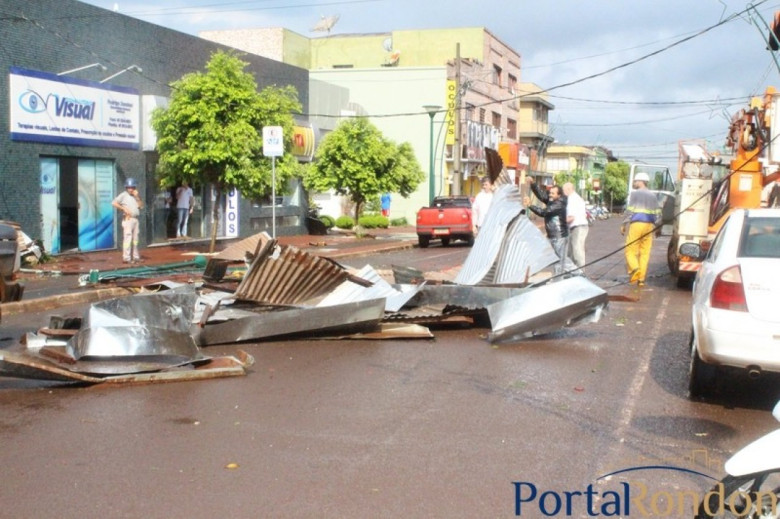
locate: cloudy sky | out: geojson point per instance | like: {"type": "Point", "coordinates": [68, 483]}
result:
{"type": "Point", "coordinates": [635, 76]}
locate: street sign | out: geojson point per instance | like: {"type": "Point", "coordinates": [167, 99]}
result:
{"type": "Point", "coordinates": [273, 143]}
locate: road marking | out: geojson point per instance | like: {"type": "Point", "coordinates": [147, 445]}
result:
{"type": "Point", "coordinates": [639, 377]}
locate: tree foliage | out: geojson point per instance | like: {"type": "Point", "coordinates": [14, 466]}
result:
{"type": "Point", "coordinates": [357, 161]}
{"type": "Point", "coordinates": [211, 131]}
{"type": "Point", "coordinates": [616, 182]}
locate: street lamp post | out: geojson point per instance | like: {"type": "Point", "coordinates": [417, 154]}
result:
{"type": "Point", "coordinates": [432, 110]}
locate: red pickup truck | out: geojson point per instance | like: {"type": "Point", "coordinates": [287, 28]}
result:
{"type": "Point", "coordinates": [448, 218]}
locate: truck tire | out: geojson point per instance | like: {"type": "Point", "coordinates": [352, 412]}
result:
{"type": "Point", "coordinates": [423, 241]}
{"type": "Point", "coordinates": [671, 256]}
{"type": "Point", "coordinates": [470, 241]}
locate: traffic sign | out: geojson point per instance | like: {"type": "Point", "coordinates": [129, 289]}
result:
{"type": "Point", "coordinates": [273, 143]}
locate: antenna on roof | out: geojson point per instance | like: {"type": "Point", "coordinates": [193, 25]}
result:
{"type": "Point", "coordinates": [326, 23]}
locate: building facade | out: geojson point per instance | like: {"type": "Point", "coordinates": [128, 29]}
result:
{"type": "Point", "coordinates": [416, 86]}
{"type": "Point", "coordinates": [81, 83]}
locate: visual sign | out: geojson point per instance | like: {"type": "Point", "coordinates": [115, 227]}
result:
{"type": "Point", "coordinates": [55, 109]}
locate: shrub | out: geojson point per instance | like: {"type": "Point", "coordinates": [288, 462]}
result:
{"type": "Point", "coordinates": [329, 221]}
{"type": "Point", "coordinates": [372, 221]}
{"type": "Point", "coordinates": [345, 222]}
{"type": "Point", "coordinates": [398, 222]}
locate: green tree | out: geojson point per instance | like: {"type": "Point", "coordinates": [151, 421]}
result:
{"type": "Point", "coordinates": [211, 131]}
{"type": "Point", "coordinates": [616, 182]}
{"type": "Point", "coordinates": [356, 160]}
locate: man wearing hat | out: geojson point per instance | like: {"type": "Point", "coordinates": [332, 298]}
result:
{"type": "Point", "coordinates": [641, 216]}
{"type": "Point", "coordinates": [129, 204]}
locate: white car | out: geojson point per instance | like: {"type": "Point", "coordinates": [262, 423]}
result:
{"type": "Point", "coordinates": [736, 300]}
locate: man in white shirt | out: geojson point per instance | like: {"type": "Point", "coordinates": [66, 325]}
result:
{"type": "Point", "coordinates": [184, 204]}
{"type": "Point", "coordinates": [481, 204]}
{"type": "Point", "coordinates": [577, 220]}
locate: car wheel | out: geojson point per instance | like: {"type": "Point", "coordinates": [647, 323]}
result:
{"type": "Point", "coordinates": [424, 241]}
{"type": "Point", "coordinates": [470, 241]}
{"type": "Point", "coordinates": [445, 242]}
{"type": "Point", "coordinates": [684, 281]}
{"type": "Point", "coordinates": [701, 376]}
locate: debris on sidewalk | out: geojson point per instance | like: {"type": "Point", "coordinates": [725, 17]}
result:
{"type": "Point", "coordinates": [505, 284]}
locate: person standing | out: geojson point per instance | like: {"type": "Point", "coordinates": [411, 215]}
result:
{"type": "Point", "coordinates": [481, 204]}
{"type": "Point", "coordinates": [641, 217]}
{"type": "Point", "coordinates": [184, 206]}
{"type": "Point", "coordinates": [130, 204]}
{"type": "Point", "coordinates": [554, 214]}
{"type": "Point", "coordinates": [577, 220]}
{"type": "Point", "coordinates": [385, 204]}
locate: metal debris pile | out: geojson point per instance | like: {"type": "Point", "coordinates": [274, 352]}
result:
{"type": "Point", "coordinates": [505, 284]}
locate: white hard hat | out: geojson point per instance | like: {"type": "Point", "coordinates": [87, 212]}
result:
{"type": "Point", "coordinates": [642, 176]}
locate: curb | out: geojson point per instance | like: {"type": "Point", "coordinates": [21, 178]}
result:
{"type": "Point", "coordinates": [43, 304]}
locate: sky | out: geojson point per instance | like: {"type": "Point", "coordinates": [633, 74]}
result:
{"type": "Point", "coordinates": [634, 76]}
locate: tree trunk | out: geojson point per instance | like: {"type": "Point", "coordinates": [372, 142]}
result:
{"type": "Point", "coordinates": [215, 217]}
{"type": "Point", "coordinates": [358, 231]}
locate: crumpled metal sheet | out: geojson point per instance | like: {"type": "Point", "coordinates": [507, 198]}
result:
{"type": "Point", "coordinates": [505, 207]}
{"type": "Point", "coordinates": [286, 275]}
{"type": "Point", "coordinates": [144, 327]}
{"type": "Point", "coordinates": [354, 317]}
{"type": "Point", "coordinates": [29, 366]}
{"type": "Point", "coordinates": [546, 308]}
{"type": "Point", "coordinates": [465, 296]}
{"type": "Point", "coordinates": [524, 252]}
{"type": "Point", "coordinates": [509, 248]}
{"type": "Point", "coordinates": [395, 298]}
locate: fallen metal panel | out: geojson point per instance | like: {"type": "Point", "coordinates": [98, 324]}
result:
{"type": "Point", "coordinates": [465, 296]}
{"type": "Point", "coordinates": [505, 207]}
{"type": "Point", "coordinates": [24, 365]}
{"type": "Point", "coordinates": [151, 326]}
{"type": "Point", "coordinates": [287, 275]}
{"type": "Point", "coordinates": [546, 308]}
{"type": "Point", "coordinates": [524, 252]}
{"type": "Point", "coordinates": [353, 317]}
{"type": "Point", "coordinates": [395, 298]}
{"type": "Point", "coordinates": [247, 247]}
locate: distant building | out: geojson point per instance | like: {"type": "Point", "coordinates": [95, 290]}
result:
{"type": "Point", "coordinates": [584, 164]}
{"type": "Point", "coordinates": [400, 72]}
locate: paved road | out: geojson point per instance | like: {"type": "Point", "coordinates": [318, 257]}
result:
{"type": "Point", "coordinates": [453, 427]}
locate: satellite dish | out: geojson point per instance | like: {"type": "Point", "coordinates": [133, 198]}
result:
{"type": "Point", "coordinates": [326, 23]}
{"type": "Point", "coordinates": [388, 44]}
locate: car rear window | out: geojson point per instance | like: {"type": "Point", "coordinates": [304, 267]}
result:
{"type": "Point", "coordinates": [761, 238]}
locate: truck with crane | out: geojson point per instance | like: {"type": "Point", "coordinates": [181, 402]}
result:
{"type": "Point", "coordinates": [708, 189]}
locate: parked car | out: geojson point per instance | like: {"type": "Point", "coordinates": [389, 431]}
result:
{"type": "Point", "coordinates": [448, 218]}
{"type": "Point", "coordinates": [735, 318]}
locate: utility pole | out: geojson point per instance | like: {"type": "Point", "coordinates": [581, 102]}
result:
{"type": "Point", "coordinates": [456, 149]}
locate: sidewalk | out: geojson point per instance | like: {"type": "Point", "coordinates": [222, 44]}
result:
{"type": "Point", "coordinates": [336, 244]}
{"type": "Point", "coordinates": [56, 283]}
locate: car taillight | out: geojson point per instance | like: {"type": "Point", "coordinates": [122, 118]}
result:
{"type": "Point", "coordinates": [728, 292]}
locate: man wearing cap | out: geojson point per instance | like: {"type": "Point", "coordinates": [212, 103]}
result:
{"type": "Point", "coordinates": [129, 204]}
{"type": "Point", "coordinates": [641, 216]}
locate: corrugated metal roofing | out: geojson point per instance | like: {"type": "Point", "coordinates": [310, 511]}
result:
{"type": "Point", "coordinates": [286, 275]}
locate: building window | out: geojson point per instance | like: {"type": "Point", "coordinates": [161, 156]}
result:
{"type": "Point", "coordinates": [496, 120]}
{"type": "Point", "coordinates": [470, 112]}
{"type": "Point", "coordinates": [511, 129]}
{"type": "Point", "coordinates": [482, 115]}
{"type": "Point", "coordinates": [555, 164]}
{"type": "Point", "coordinates": [512, 80]}
{"type": "Point", "coordinates": [497, 75]}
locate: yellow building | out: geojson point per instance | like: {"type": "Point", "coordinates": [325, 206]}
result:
{"type": "Point", "coordinates": [414, 85]}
